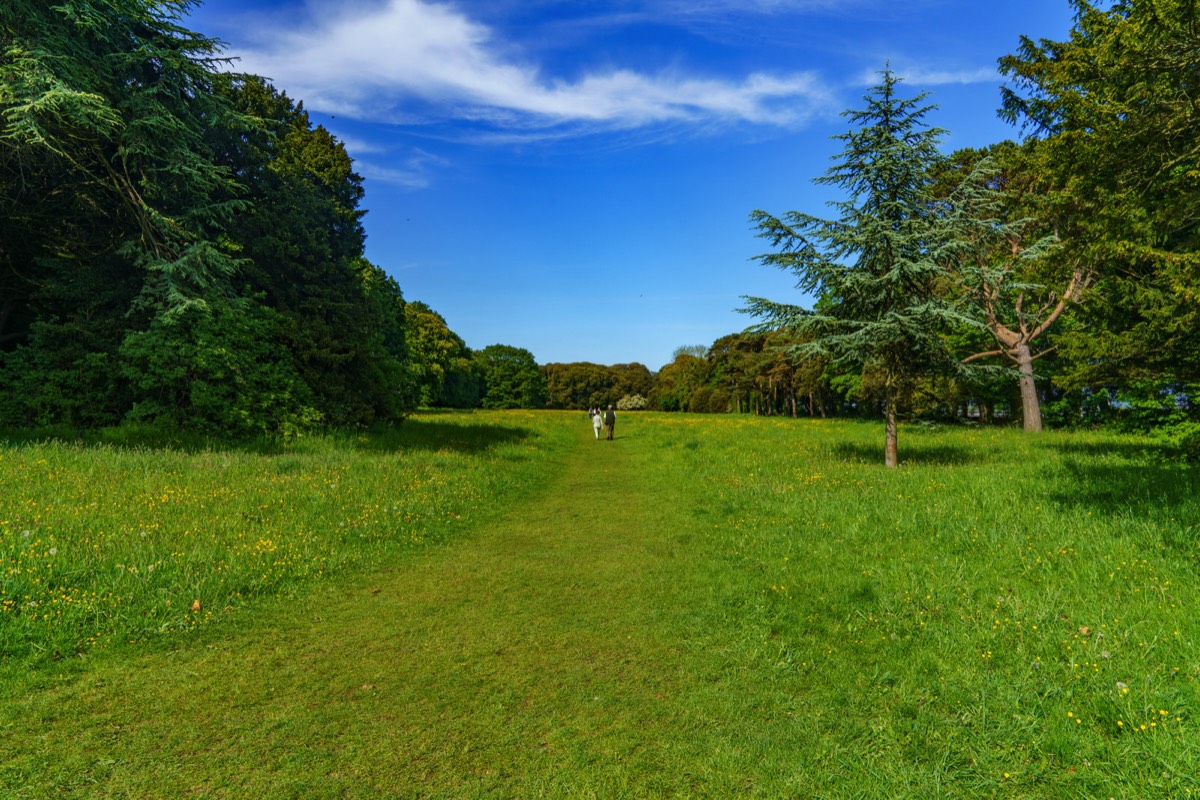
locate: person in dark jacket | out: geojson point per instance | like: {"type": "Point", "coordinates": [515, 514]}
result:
{"type": "Point", "coordinates": [610, 421]}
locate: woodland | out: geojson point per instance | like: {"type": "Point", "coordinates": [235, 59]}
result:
{"type": "Point", "coordinates": [181, 245]}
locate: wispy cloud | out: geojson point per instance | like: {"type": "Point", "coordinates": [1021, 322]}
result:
{"type": "Point", "coordinates": [412, 172]}
{"type": "Point", "coordinates": [928, 76]}
{"type": "Point", "coordinates": [919, 77]}
{"type": "Point", "coordinates": [419, 60]}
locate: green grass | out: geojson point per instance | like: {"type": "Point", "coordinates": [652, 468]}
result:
{"type": "Point", "coordinates": [706, 607]}
{"type": "Point", "coordinates": [140, 543]}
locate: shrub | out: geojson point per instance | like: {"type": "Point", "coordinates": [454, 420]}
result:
{"type": "Point", "coordinates": [632, 402]}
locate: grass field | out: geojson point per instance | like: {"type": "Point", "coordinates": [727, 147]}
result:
{"type": "Point", "coordinates": [496, 605]}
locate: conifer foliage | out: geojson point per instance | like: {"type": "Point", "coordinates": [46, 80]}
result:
{"type": "Point", "coordinates": [178, 244]}
{"type": "Point", "coordinates": [880, 268]}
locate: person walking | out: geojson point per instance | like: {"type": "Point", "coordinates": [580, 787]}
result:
{"type": "Point", "coordinates": [610, 421]}
{"type": "Point", "coordinates": [597, 421]}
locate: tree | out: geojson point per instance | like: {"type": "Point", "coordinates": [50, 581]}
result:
{"type": "Point", "coordinates": [302, 240]}
{"type": "Point", "coordinates": [881, 264]}
{"type": "Point", "coordinates": [112, 197]}
{"type": "Point", "coordinates": [107, 115]}
{"type": "Point", "coordinates": [511, 377]}
{"type": "Point", "coordinates": [578, 385]}
{"type": "Point", "coordinates": [445, 373]}
{"type": "Point", "coordinates": [1009, 265]}
{"type": "Point", "coordinates": [678, 381]}
{"type": "Point", "coordinates": [628, 380]}
{"type": "Point", "coordinates": [1114, 109]}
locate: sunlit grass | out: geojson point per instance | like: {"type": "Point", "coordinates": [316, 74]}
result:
{"type": "Point", "coordinates": [102, 543]}
{"type": "Point", "coordinates": [1005, 609]}
{"type": "Point", "coordinates": [709, 606]}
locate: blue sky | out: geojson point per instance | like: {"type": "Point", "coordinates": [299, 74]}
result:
{"type": "Point", "coordinates": [574, 177]}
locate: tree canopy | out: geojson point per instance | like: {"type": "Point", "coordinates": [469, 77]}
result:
{"type": "Point", "coordinates": [881, 264]}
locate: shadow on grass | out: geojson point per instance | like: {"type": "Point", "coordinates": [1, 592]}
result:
{"type": "Point", "coordinates": [1146, 451]}
{"type": "Point", "coordinates": [910, 453]}
{"type": "Point", "coordinates": [430, 433]}
{"type": "Point", "coordinates": [427, 432]}
{"type": "Point", "coordinates": [1144, 483]}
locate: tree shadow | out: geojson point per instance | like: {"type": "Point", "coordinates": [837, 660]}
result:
{"type": "Point", "coordinates": [432, 434]}
{"type": "Point", "coordinates": [1134, 480]}
{"type": "Point", "coordinates": [1110, 477]}
{"type": "Point", "coordinates": [426, 433]}
{"type": "Point", "coordinates": [1144, 451]}
{"type": "Point", "coordinates": [917, 453]}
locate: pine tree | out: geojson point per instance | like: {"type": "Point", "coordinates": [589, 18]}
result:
{"type": "Point", "coordinates": [880, 268]}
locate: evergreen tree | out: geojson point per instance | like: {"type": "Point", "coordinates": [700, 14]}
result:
{"type": "Point", "coordinates": [881, 264]}
{"type": "Point", "coordinates": [1113, 108]}
{"type": "Point", "coordinates": [1009, 264]}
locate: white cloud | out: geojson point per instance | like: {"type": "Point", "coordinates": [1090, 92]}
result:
{"type": "Point", "coordinates": [410, 173]}
{"type": "Point", "coordinates": [413, 59]}
{"type": "Point", "coordinates": [942, 77]}
{"type": "Point", "coordinates": [918, 77]}
{"type": "Point", "coordinates": [357, 147]}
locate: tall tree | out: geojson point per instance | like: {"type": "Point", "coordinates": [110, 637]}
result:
{"type": "Point", "coordinates": [579, 385]}
{"type": "Point", "coordinates": [1009, 264]}
{"type": "Point", "coordinates": [107, 111]}
{"type": "Point", "coordinates": [1115, 108]}
{"type": "Point", "coordinates": [441, 362]}
{"type": "Point", "coordinates": [302, 240]}
{"type": "Point", "coordinates": [676, 383]}
{"type": "Point", "coordinates": [881, 263]}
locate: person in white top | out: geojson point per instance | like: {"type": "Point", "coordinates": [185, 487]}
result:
{"type": "Point", "coordinates": [597, 422]}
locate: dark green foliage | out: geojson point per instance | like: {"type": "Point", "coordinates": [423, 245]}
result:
{"type": "Point", "coordinates": [65, 374]}
{"type": "Point", "coordinates": [116, 102]}
{"type": "Point", "coordinates": [177, 243]}
{"type": "Point", "coordinates": [581, 385]}
{"type": "Point", "coordinates": [303, 241]}
{"type": "Point", "coordinates": [220, 370]}
{"type": "Point", "coordinates": [882, 264]}
{"type": "Point", "coordinates": [678, 381]}
{"type": "Point", "coordinates": [1114, 109]}
{"type": "Point", "coordinates": [511, 377]}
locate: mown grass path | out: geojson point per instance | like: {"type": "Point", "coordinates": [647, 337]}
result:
{"type": "Point", "coordinates": [536, 656]}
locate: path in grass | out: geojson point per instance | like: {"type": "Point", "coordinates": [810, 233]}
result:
{"type": "Point", "coordinates": [535, 656]}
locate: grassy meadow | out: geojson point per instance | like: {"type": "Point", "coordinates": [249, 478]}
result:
{"type": "Point", "coordinates": [494, 605]}
{"type": "Point", "coordinates": [141, 544]}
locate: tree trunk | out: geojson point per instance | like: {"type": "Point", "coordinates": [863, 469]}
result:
{"type": "Point", "coordinates": [1031, 409]}
{"type": "Point", "coordinates": [890, 450]}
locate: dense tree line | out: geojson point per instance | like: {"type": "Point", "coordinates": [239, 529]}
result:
{"type": "Point", "coordinates": [584, 385]}
{"type": "Point", "coordinates": [181, 244]}
{"type": "Point", "coordinates": [1075, 249]}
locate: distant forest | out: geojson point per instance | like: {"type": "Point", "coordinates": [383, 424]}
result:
{"type": "Point", "coordinates": [180, 245]}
